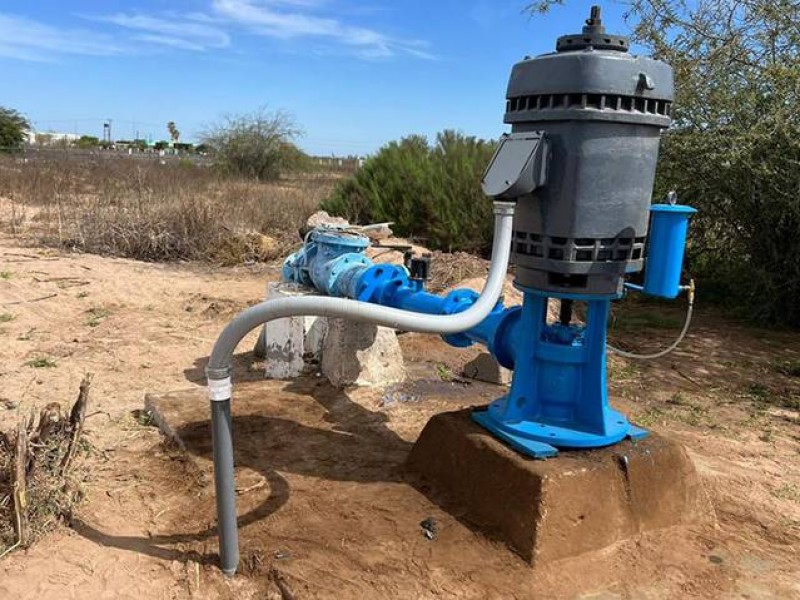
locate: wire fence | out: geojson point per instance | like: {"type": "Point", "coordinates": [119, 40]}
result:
{"type": "Point", "coordinates": [27, 154]}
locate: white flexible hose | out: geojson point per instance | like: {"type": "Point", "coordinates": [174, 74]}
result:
{"type": "Point", "coordinates": [671, 347]}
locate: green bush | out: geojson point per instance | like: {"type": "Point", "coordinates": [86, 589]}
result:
{"type": "Point", "coordinates": [734, 150]}
{"type": "Point", "coordinates": [430, 192]}
{"type": "Point", "coordinates": [12, 128]}
{"type": "Point", "coordinates": [87, 142]}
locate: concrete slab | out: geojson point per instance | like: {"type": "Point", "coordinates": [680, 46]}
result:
{"type": "Point", "coordinates": [562, 507]}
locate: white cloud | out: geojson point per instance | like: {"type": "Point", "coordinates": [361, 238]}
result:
{"type": "Point", "coordinates": [169, 41]}
{"type": "Point", "coordinates": [26, 39]}
{"type": "Point", "coordinates": [136, 32]}
{"type": "Point", "coordinates": [187, 33]}
{"type": "Point", "coordinates": [291, 19]}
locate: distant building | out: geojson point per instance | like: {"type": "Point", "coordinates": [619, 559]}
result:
{"type": "Point", "coordinates": [50, 138]}
{"type": "Point", "coordinates": [339, 163]}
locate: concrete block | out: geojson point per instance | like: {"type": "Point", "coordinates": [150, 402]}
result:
{"type": "Point", "coordinates": [484, 367]}
{"type": "Point", "coordinates": [286, 344]}
{"type": "Point", "coordinates": [361, 354]}
{"type": "Point", "coordinates": [578, 502]}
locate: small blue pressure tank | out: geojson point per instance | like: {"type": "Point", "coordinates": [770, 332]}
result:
{"type": "Point", "coordinates": [669, 224]}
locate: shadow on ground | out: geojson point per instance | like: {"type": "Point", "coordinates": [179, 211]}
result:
{"type": "Point", "coordinates": [331, 439]}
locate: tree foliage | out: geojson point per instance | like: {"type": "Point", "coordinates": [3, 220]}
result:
{"type": "Point", "coordinates": [258, 145]}
{"type": "Point", "coordinates": [429, 191]}
{"type": "Point", "coordinates": [174, 134]}
{"type": "Point", "coordinates": [12, 129]}
{"type": "Point", "coordinates": [88, 142]}
{"type": "Point", "coordinates": [734, 149]}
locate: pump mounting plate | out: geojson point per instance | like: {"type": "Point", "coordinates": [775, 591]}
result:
{"type": "Point", "coordinates": [540, 440]}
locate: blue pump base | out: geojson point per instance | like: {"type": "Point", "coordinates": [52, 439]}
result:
{"type": "Point", "coordinates": [536, 439]}
{"type": "Point", "coordinates": [558, 397]}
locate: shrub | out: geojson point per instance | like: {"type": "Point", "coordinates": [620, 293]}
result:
{"type": "Point", "coordinates": [430, 192]}
{"type": "Point", "coordinates": [88, 142]}
{"type": "Point", "coordinates": [735, 147]}
{"type": "Point", "coordinates": [12, 128]}
{"type": "Point", "coordinates": [257, 145]}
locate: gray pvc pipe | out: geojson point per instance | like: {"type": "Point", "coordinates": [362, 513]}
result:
{"type": "Point", "coordinates": [224, 485]}
{"type": "Point", "coordinates": [218, 370]}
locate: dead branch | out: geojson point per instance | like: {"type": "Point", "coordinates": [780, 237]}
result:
{"type": "Point", "coordinates": [76, 419]}
{"type": "Point", "coordinates": [280, 581]}
{"type": "Point", "coordinates": [49, 422]}
{"type": "Point", "coordinates": [246, 490]}
{"type": "Point", "coordinates": [31, 300]}
{"type": "Point", "coordinates": [19, 484]}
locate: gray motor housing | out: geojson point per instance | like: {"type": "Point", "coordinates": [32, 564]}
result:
{"type": "Point", "coordinates": [594, 117]}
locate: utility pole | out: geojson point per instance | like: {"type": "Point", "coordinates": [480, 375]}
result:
{"type": "Point", "coordinates": [107, 131]}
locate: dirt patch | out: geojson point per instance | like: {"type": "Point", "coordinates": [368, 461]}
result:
{"type": "Point", "coordinates": [146, 527]}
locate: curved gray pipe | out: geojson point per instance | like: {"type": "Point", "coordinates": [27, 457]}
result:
{"type": "Point", "coordinates": [219, 365]}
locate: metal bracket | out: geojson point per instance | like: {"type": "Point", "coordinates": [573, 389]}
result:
{"type": "Point", "coordinates": [518, 167]}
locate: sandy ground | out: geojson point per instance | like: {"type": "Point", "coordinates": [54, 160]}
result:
{"type": "Point", "coordinates": [146, 527]}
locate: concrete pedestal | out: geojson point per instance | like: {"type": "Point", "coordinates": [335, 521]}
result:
{"type": "Point", "coordinates": [286, 344]}
{"type": "Point", "coordinates": [348, 352]}
{"type": "Point", "coordinates": [578, 502]}
{"type": "Point", "coordinates": [361, 354]}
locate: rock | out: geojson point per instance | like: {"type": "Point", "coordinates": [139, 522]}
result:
{"type": "Point", "coordinates": [323, 218]}
{"type": "Point", "coordinates": [429, 528]}
{"type": "Point", "coordinates": [361, 354]}
{"type": "Point", "coordinates": [484, 367]}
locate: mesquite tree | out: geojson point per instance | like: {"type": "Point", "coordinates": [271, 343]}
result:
{"type": "Point", "coordinates": [257, 145]}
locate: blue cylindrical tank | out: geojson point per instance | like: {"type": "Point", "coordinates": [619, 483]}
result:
{"type": "Point", "coordinates": [668, 227]}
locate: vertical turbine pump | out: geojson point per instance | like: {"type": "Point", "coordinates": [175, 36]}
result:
{"type": "Point", "coordinates": [580, 163]}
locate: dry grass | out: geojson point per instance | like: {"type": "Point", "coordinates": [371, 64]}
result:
{"type": "Point", "coordinates": [155, 212]}
{"type": "Point", "coordinates": [451, 269]}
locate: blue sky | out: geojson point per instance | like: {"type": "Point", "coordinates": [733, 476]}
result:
{"type": "Point", "coordinates": [355, 74]}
